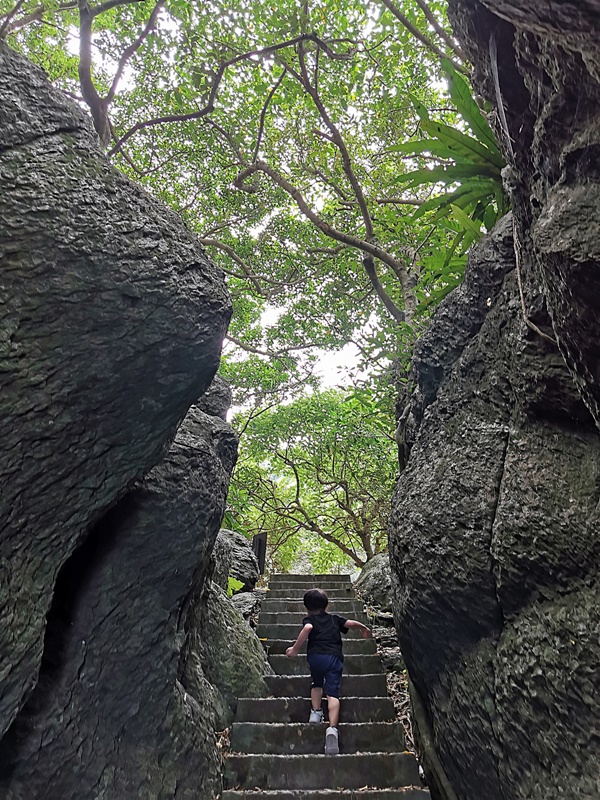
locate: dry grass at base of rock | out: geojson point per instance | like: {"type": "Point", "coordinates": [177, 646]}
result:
{"type": "Point", "coordinates": [396, 678]}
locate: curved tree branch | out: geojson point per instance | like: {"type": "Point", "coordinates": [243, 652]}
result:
{"type": "Point", "coordinates": [387, 301]}
{"type": "Point", "coordinates": [98, 107]}
{"type": "Point", "coordinates": [9, 18]}
{"type": "Point", "coordinates": [234, 257]}
{"type": "Point", "coordinates": [430, 17]}
{"type": "Point", "coordinates": [354, 241]}
{"type": "Point", "coordinates": [263, 113]}
{"type": "Point", "coordinates": [218, 77]}
{"type": "Point", "coordinates": [132, 49]}
{"type": "Point", "coordinates": [425, 40]}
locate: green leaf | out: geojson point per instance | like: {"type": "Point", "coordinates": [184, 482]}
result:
{"type": "Point", "coordinates": [445, 133]}
{"type": "Point", "coordinates": [420, 108]}
{"type": "Point", "coordinates": [468, 224]}
{"type": "Point", "coordinates": [466, 106]}
{"type": "Point", "coordinates": [441, 174]}
{"type": "Point", "coordinates": [233, 585]}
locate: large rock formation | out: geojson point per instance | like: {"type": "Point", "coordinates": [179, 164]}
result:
{"type": "Point", "coordinates": [223, 650]}
{"type": "Point", "coordinates": [373, 585]}
{"type": "Point", "coordinates": [111, 323]}
{"type": "Point", "coordinates": [495, 530]}
{"type": "Point", "coordinates": [110, 716]}
{"type": "Point", "coordinates": [234, 558]}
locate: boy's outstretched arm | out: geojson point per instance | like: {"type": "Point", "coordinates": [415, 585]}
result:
{"type": "Point", "coordinates": [302, 637]}
{"type": "Point", "coordinates": [354, 623]}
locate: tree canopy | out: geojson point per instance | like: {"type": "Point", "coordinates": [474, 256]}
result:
{"type": "Point", "coordinates": [332, 160]}
{"type": "Point", "coordinates": [319, 469]}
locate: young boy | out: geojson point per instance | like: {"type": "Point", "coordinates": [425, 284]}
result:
{"type": "Point", "coordinates": [325, 659]}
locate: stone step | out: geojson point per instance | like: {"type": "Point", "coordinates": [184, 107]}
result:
{"type": "Point", "coordinates": [294, 618]}
{"type": "Point", "coordinates": [302, 586]}
{"type": "Point", "coordinates": [353, 665]}
{"type": "Point", "coordinates": [352, 771]}
{"type": "Point", "coordinates": [408, 793]}
{"type": "Point", "coordinates": [302, 738]}
{"type": "Point", "coordinates": [353, 646]}
{"type": "Point", "coordinates": [351, 686]}
{"type": "Point", "coordinates": [297, 709]}
{"type": "Point", "coordinates": [290, 577]}
{"type": "Point", "coordinates": [297, 592]}
{"type": "Point", "coordinates": [345, 607]}
{"type": "Point", "coordinates": [291, 632]}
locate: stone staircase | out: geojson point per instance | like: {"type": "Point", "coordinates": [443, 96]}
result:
{"type": "Point", "coordinates": [276, 753]}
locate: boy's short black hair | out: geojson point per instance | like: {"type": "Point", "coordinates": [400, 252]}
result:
{"type": "Point", "coordinates": [315, 600]}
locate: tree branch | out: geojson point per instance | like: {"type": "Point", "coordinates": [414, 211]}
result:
{"type": "Point", "coordinates": [112, 4]}
{"type": "Point", "coordinates": [282, 354]}
{"type": "Point", "coordinates": [34, 16]}
{"type": "Point", "coordinates": [425, 40]}
{"type": "Point", "coordinates": [387, 301]}
{"type": "Point", "coordinates": [339, 142]}
{"type": "Point", "coordinates": [97, 106]}
{"type": "Point", "coordinates": [133, 48]}
{"type": "Point", "coordinates": [9, 18]}
{"type": "Point", "coordinates": [397, 201]}
{"type": "Point", "coordinates": [234, 257]}
{"type": "Point", "coordinates": [263, 113]}
{"type": "Point", "coordinates": [429, 16]}
{"type": "Point", "coordinates": [218, 77]}
{"type": "Point", "coordinates": [346, 238]}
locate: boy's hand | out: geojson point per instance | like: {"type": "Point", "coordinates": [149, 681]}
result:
{"type": "Point", "coordinates": [290, 652]}
{"type": "Point", "coordinates": [366, 633]}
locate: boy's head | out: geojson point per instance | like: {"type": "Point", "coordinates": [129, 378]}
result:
{"type": "Point", "coordinates": [315, 600]}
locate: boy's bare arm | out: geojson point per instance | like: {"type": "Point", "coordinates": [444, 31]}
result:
{"type": "Point", "coordinates": [354, 623]}
{"type": "Point", "coordinates": [302, 637]}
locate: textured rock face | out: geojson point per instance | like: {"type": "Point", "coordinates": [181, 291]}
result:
{"type": "Point", "coordinates": [223, 650]}
{"type": "Point", "coordinates": [373, 584]}
{"type": "Point", "coordinates": [549, 78]}
{"type": "Point", "coordinates": [494, 546]}
{"type": "Point", "coordinates": [235, 558]}
{"type": "Point", "coordinates": [217, 399]}
{"type": "Point", "coordinates": [111, 323]}
{"type": "Point", "coordinates": [495, 531]}
{"type": "Point", "coordinates": [248, 604]}
{"type": "Point", "coordinates": [110, 687]}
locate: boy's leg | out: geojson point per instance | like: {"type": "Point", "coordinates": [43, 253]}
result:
{"type": "Point", "coordinates": [333, 707]}
{"type": "Point", "coordinates": [332, 692]}
{"type": "Point", "coordinates": [316, 691]}
{"type": "Point", "coordinates": [316, 697]}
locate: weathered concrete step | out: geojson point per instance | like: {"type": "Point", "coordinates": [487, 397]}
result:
{"type": "Point", "coordinates": [293, 618]}
{"type": "Point", "coordinates": [353, 646]}
{"type": "Point", "coordinates": [297, 709]}
{"type": "Point", "coordinates": [353, 665]}
{"type": "Point", "coordinates": [351, 686]}
{"type": "Point", "coordinates": [297, 577]}
{"type": "Point", "coordinates": [299, 587]}
{"type": "Point", "coordinates": [297, 592]}
{"type": "Point", "coordinates": [336, 606]}
{"type": "Point", "coordinates": [409, 793]}
{"type": "Point", "coordinates": [291, 632]}
{"type": "Point", "coordinates": [386, 770]}
{"type": "Point", "coordinates": [302, 738]}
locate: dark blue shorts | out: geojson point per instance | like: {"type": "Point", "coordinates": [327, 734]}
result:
{"type": "Point", "coordinates": [326, 672]}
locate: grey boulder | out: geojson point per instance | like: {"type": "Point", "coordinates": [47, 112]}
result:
{"type": "Point", "coordinates": [374, 584]}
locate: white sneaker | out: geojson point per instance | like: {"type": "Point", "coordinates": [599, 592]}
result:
{"type": "Point", "coordinates": [332, 747]}
{"type": "Point", "coordinates": [316, 716]}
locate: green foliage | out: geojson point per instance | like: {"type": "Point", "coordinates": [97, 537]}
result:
{"type": "Point", "coordinates": [212, 90]}
{"type": "Point", "coordinates": [468, 168]}
{"type": "Point", "coordinates": [233, 586]}
{"type": "Point", "coordinates": [317, 475]}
